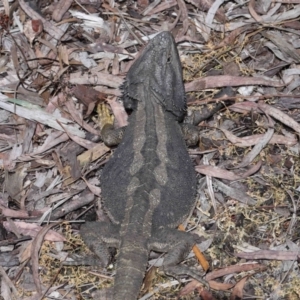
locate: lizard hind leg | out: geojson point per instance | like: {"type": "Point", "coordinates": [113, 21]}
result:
{"type": "Point", "coordinates": [177, 244]}
{"type": "Point", "coordinates": [99, 236]}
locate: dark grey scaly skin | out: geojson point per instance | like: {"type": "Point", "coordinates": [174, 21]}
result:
{"type": "Point", "coordinates": [149, 185]}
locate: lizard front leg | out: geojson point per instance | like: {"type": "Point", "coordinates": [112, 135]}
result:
{"type": "Point", "coordinates": [110, 135]}
{"type": "Point", "coordinates": [190, 134]}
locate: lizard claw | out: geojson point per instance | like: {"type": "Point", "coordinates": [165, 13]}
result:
{"type": "Point", "coordinates": [104, 116]}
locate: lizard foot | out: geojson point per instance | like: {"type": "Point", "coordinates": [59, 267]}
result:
{"type": "Point", "coordinates": [86, 260]}
{"type": "Point", "coordinates": [178, 244]}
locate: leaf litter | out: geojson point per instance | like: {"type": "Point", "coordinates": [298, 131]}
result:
{"type": "Point", "coordinates": [58, 60]}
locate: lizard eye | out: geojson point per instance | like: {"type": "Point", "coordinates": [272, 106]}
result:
{"type": "Point", "coordinates": [169, 59]}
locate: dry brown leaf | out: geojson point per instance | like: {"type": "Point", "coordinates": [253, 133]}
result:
{"type": "Point", "coordinates": [184, 17]}
{"type": "Point", "coordinates": [234, 269]}
{"type": "Point", "coordinates": [236, 194]}
{"type": "Point", "coordinates": [63, 55]}
{"type": "Point", "coordinates": [217, 172]}
{"type": "Point", "coordinates": [61, 8]}
{"type": "Point", "coordinates": [237, 292]}
{"type": "Point", "coordinates": [220, 286]}
{"type": "Point", "coordinates": [252, 140]}
{"type": "Point", "coordinates": [94, 189]}
{"type": "Point", "coordinates": [148, 279]}
{"type": "Point", "coordinates": [35, 248]}
{"type": "Point", "coordinates": [54, 31]}
{"type": "Point", "coordinates": [210, 82]}
{"type": "Point", "coordinates": [249, 157]}
{"type": "Point", "coordinates": [82, 142]}
{"type": "Point", "coordinates": [286, 48]}
{"type": "Point", "coordinates": [53, 139]}
{"type": "Point", "coordinates": [244, 107]}
{"type": "Point", "coordinates": [118, 112]}
{"type": "Point", "coordinates": [279, 115]}
{"type": "Point", "coordinates": [95, 77]}
{"type": "Point", "coordinates": [8, 289]}
{"type": "Point", "coordinates": [78, 118]}
{"type": "Point", "coordinates": [252, 11]}
{"type": "Point", "coordinates": [14, 182]}
{"type": "Point", "coordinates": [230, 39]}
{"type": "Point", "coordinates": [269, 254]}
{"type": "Point", "coordinates": [93, 154]}
{"type": "Point", "coordinates": [25, 251]}
{"type": "Point", "coordinates": [162, 6]}
{"type": "Point", "coordinates": [33, 230]}
{"type": "Point", "coordinates": [85, 198]}
{"type": "Point", "coordinates": [11, 213]}
{"type": "Point", "coordinates": [190, 287]}
{"type": "Point", "coordinates": [36, 114]}
{"type": "Point", "coordinates": [32, 29]}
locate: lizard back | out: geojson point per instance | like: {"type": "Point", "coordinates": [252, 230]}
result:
{"type": "Point", "coordinates": [153, 153]}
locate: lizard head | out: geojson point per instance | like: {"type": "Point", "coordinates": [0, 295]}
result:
{"type": "Point", "coordinates": [158, 73]}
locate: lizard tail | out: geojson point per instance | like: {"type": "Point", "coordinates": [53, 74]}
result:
{"type": "Point", "coordinates": [131, 267]}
